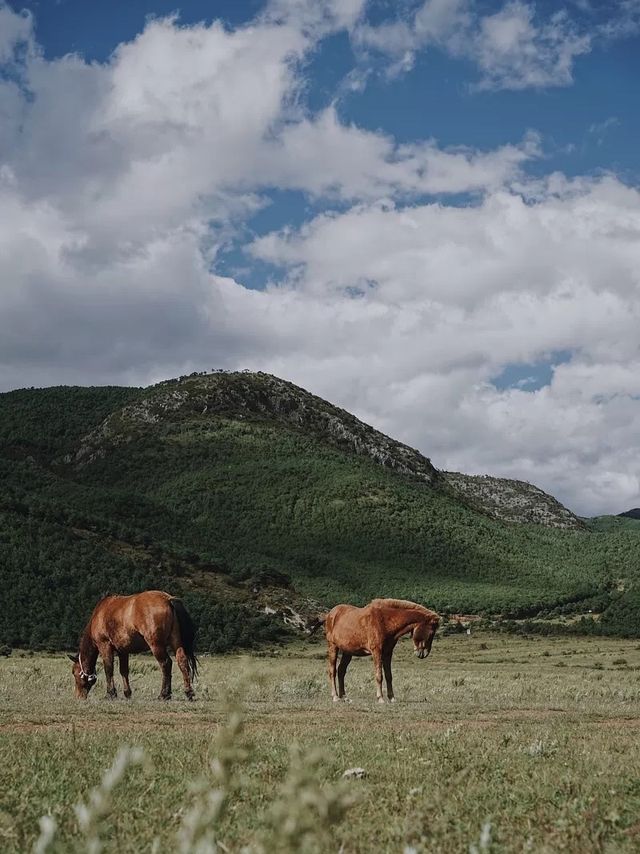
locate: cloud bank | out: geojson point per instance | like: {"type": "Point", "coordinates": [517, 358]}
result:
{"type": "Point", "coordinates": [428, 270]}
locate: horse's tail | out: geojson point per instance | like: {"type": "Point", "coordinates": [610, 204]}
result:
{"type": "Point", "coordinates": [314, 624]}
{"type": "Point", "coordinates": [187, 634]}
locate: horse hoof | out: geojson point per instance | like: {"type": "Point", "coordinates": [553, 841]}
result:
{"type": "Point", "coordinates": [164, 697]}
{"type": "Point", "coordinates": [190, 696]}
{"type": "Point", "coordinates": [381, 700]}
{"type": "Point", "coordinates": [392, 699]}
{"type": "Point", "coordinates": [127, 695]}
{"type": "Point", "coordinates": [336, 699]}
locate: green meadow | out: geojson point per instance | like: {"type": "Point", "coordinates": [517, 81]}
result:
{"type": "Point", "coordinates": [496, 743]}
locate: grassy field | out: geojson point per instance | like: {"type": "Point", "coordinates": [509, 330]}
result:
{"type": "Point", "coordinates": [538, 738]}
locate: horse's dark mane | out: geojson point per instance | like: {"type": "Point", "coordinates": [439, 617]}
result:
{"type": "Point", "coordinates": [86, 646]}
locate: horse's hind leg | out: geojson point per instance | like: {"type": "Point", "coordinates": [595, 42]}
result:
{"type": "Point", "coordinates": [332, 656]}
{"type": "Point", "coordinates": [123, 659]}
{"type": "Point", "coordinates": [164, 661]}
{"type": "Point", "coordinates": [175, 642]}
{"type": "Point", "coordinates": [183, 664]}
{"type": "Point", "coordinates": [342, 669]}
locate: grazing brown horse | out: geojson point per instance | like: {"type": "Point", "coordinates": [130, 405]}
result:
{"type": "Point", "coordinates": [375, 630]}
{"type": "Point", "coordinates": [119, 625]}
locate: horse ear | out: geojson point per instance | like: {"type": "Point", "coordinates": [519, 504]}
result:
{"type": "Point", "coordinates": [73, 658]}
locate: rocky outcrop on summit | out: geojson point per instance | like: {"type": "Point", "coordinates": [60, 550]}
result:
{"type": "Point", "coordinates": [253, 395]}
{"type": "Point", "coordinates": [259, 396]}
{"type": "Point", "coordinates": [511, 500]}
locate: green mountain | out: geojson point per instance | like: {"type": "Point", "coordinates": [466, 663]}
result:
{"type": "Point", "coordinates": [251, 497]}
{"type": "Point", "coordinates": [634, 513]}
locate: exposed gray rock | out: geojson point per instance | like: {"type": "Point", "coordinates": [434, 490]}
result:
{"type": "Point", "coordinates": [243, 394]}
{"type": "Point", "coordinates": [354, 774]}
{"type": "Point", "coordinates": [262, 395]}
{"type": "Point", "coordinates": [511, 500]}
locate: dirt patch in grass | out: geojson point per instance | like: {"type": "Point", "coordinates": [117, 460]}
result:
{"type": "Point", "coordinates": [327, 720]}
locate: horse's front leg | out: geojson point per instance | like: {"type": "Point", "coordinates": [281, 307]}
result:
{"type": "Point", "coordinates": [107, 652]}
{"type": "Point", "coordinates": [342, 669]}
{"type": "Point", "coordinates": [123, 659]}
{"type": "Point", "coordinates": [332, 657]}
{"type": "Point", "coordinates": [377, 666]}
{"type": "Point", "coordinates": [164, 662]}
{"type": "Point", "coordinates": [386, 663]}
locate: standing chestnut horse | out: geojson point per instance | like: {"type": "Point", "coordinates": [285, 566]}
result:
{"type": "Point", "coordinates": [375, 630]}
{"type": "Point", "coordinates": [122, 624]}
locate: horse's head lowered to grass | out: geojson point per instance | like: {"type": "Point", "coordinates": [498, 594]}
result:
{"type": "Point", "coordinates": [84, 681]}
{"type": "Point", "coordinates": [423, 634]}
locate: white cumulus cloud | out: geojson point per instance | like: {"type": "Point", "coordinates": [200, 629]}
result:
{"type": "Point", "coordinates": [450, 295]}
{"type": "Point", "coordinates": [514, 44]}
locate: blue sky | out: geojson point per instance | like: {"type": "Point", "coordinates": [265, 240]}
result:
{"type": "Point", "coordinates": [592, 124]}
{"type": "Point", "coordinates": [426, 211]}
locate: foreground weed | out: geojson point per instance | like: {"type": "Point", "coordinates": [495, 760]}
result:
{"type": "Point", "coordinates": [198, 830]}
{"type": "Point", "coordinates": [485, 841]}
{"type": "Point", "coordinates": [92, 816]}
{"type": "Point", "coordinates": [48, 830]}
{"type": "Point", "coordinates": [299, 820]}
{"type": "Point", "coordinates": [540, 747]}
{"type": "Point", "coordinates": [305, 812]}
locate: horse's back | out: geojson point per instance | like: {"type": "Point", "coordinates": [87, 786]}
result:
{"type": "Point", "coordinates": [339, 613]}
{"type": "Point", "coordinates": [117, 601]}
{"type": "Point", "coordinates": [133, 621]}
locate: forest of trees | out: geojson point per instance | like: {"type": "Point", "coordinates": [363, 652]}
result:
{"type": "Point", "coordinates": [247, 495]}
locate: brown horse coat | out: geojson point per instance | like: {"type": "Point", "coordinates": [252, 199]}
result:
{"type": "Point", "coordinates": [375, 630]}
{"type": "Point", "coordinates": [119, 625]}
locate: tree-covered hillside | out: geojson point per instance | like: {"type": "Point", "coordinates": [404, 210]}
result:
{"type": "Point", "coordinates": [214, 489]}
